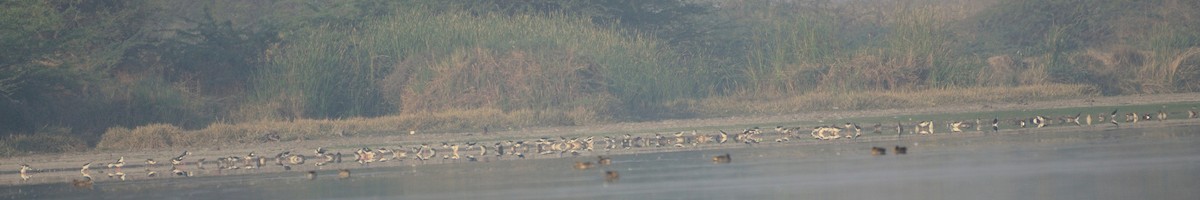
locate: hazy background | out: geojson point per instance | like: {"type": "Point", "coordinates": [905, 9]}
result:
{"type": "Point", "coordinates": [74, 72]}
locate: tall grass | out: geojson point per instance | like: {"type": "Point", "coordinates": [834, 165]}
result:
{"type": "Point", "coordinates": [44, 140]}
{"type": "Point", "coordinates": [806, 47]}
{"type": "Point", "coordinates": [790, 49]}
{"type": "Point", "coordinates": [419, 60]}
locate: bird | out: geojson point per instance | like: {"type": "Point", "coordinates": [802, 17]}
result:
{"type": "Point", "coordinates": [995, 124]}
{"type": "Point", "coordinates": [85, 169]}
{"type": "Point", "coordinates": [878, 151]}
{"type": "Point", "coordinates": [1074, 119]}
{"type": "Point", "coordinates": [978, 124]}
{"type": "Point", "coordinates": [722, 158]}
{"type": "Point", "coordinates": [179, 159]}
{"type": "Point", "coordinates": [1162, 115]}
{"type": "Point", "coordinates": [1039, 120]}
{"type": "Point", "coordinates": [200, 163]}
{"type": "Point", "coordinates": [319, 152]}
{"type": "Point", "coordinates": [343, 173]}
{"type": "Point", "coordinates": [1192, 114]}
{"type": "Point", "coordinates": [120, 175]}
{"type": "Point", "coordinates": [120, 163]}
{"type": "Point", "coordinates": [724, 137]}
{"type": "Point", "coordinates": [900, 150]}
{"type": "Point", "coordinates": [1112, 118]}
{"type": "Point", "coordinates": [24, 171]}
{"type": "Point", "coordinates": [603, 160]}
{"type": "Point", "coordinates": [855, 127]}
{"type": "Point", "coordinates": [956, 126]}
{"type": "Point", "coordinates": [85, 183]}
{"type": "Point", "coordinates": [150, 163]}
{"type": "Point", "coordinates": [295, 159]}
{"type": "Point", "coordinates": [312, 175]}
{"type": "Point", "coordinates": [583, 165]}
{"type": "Point", "coordinates": [925, 127]}
{"type": "Point", "coordinates": [251, 161]}
{"type": "Point", "coordinates": [611, 176]}
{"type": "Point", "coordinates": [384, 151]}
{"type": "Point", "coordinates": [180, 172]}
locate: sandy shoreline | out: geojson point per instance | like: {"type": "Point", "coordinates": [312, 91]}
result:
{"type": "Point", "coordinates": [61, 168]}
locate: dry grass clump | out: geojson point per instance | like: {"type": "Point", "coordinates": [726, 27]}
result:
{"type": "Point", "coordinates": [1036, 72]}
{"type": "Point", "coordinates": [143, 137]}
{"type": "Point", "coordinates": [815, 101]}
{"type": "Point", "coordinates": [1124, 70]}
{"type": "Point", "coordinates": [1000, 71]}
{"type": "Point", "coordinates": [487, 78]}
{"type": "Point", "coordinates": [879, 72]}
{"type": "Point", "coordinates": [52, 141]}
{"type": "Point", "coordinates": [1179, 71]}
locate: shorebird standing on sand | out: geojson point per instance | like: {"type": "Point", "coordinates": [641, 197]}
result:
{"type": "Point", "coordinates": [1073, 119]}
{"type": "Point", "coordinates": [85, 170]}
{"type": "Point", "coordinates": [724, 137]}
{"type": "Point", "coordinates": [120, 163]}
{"type": "Point", "coordinates": [1039, 120]}
{"type": "Point", "coordinates": [179, 159]}
{"type": "Point", "coordinates": [25, 172]}
{"type": "Point", "coordinates": [1112, 118]}
{"type": "Point", "coordinates": [150, 163]}
{"type": "Point", "coordinates": [924, 127]}
{"type": "Point", "coordinates": [995, 124]}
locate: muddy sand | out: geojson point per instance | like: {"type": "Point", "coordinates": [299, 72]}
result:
{"type": "Point", "coordinates": [62, 168]}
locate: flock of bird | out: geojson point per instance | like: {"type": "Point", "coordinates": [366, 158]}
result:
{"type": "Point", "coordinates": [575, 146]}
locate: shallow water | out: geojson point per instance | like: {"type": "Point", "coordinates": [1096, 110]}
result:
{"type": "Point", "coordinates": [1085, 163]}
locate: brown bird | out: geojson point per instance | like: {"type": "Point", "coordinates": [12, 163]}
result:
{"type": "Point", "coordinates": [603, 160]}
{"type": "Point", "coordinates": [611, 176]}
{"type": "Point", "coordinates": [722, 159]}
{"type": "Point", "coordinates": [583, 165]}
{"type": "Point", "coordinates": [342, 173]}
{"type": "Point", "coordinates": [25, 172]}
{"type": "Point", "coordinates": [86, 183]}
{"type": "Point", "coordinates": [900, 150]}
{"type": "Point", "coordinates": [878, 151]}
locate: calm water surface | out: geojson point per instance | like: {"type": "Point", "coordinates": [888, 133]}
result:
{"type": "Point", "coordinates": [1085, 163]}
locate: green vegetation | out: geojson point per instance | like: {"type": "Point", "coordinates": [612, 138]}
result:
{"type": "Point", "coordinates": [152, 74]}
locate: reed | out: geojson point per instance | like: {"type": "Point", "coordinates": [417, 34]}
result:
{"type": "Point", "coordinates": [424, 61]}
